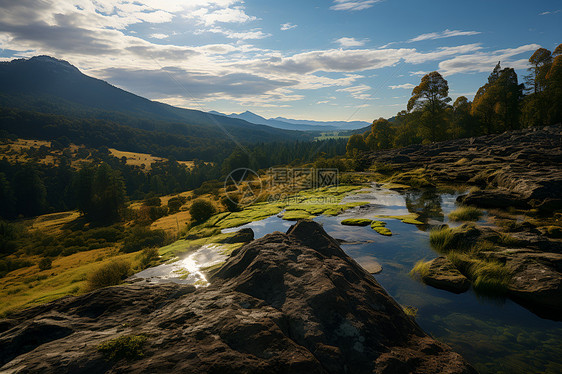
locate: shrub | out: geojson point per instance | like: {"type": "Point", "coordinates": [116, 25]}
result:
{"type": "Point", "coordinates": [7, 265]}
{"type": "Point", "coordinates": [111, 234]}
{"type": "Point", "coordinates": [141, 237]}
{"type": "Point", "coordinates": [466, 213]}
{"type": "Point", "coordinates": [45, 263]}
{"type": "Point", "coordinates": [231, 203]}
{"type": "Point", "coordinates": [124, 347]}
{"type": "Point", "coordinates": [152, 201]}
{"type": "Point", "coordinates": [109, 274]}
{"type": "Point", "coordinates": [201, 210]}
{"type": "Point", "coordinates": [174, 205]}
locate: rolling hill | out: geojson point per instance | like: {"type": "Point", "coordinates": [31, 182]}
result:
{"type": "Point", "coordinates": [48, 85]}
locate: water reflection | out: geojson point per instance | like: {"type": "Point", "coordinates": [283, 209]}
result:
{"type": "Point", "coordinates": [495, 335]}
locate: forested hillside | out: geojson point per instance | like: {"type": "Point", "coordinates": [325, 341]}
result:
{"type": "Point", "coordinates": [503, 103]}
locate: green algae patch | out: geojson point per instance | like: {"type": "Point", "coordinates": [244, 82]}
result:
{"type": "Point", "coordinates": [294, 215]}
{"type": "Point", "coordinates": [411, 219]}
{"type": "Point", "coordinates": [356, 222]}
{"type": "Point", "coordinates": [251, 214]}
{"type": "Point", "coordinates": [379, 227]}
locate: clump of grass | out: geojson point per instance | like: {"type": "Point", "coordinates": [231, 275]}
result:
{"type": "Point", "coordinates": [421, 268]}
{"type": "Point", "coordinates": [379, 226]}
{"type": "Point", "coordinates": [488, 277]}
{"type": "Point", "coordinates": [465, 213]}
{"type": "Point", "coordinates": [442, 240]}
{"type": "Point", "coordinates": [507, 240]}
{"type": "Point", "coordinates": [127, 347]}
{"type": "Point", "coordinates": [356, 222]}
{"type": "Point", "coordinates": [109, 274]}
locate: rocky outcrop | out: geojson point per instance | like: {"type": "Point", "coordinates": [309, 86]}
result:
{"type": "Point", "coordinates": [518, 168]}
{"type": "Point", "coordinates": [441, 273]}
{"type": "Point", "coordinates": [285, 303]}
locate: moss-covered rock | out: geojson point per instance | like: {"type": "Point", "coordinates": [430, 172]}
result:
{"type": "Point", "coordinates": [356, 222]}
{"type": "Point", "coordinates": [379, 227]}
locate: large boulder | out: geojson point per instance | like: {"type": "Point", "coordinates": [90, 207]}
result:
{"type": "Point", "coordinates": [285, 303]}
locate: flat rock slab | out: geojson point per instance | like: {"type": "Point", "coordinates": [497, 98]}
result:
{"type": "Point", "coordinates": [444, 275]}
{"type": "Point", "coordinates": [285, 303]}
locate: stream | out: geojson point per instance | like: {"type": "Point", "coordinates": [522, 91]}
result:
{"type": "Point", "coordinates": [496, 335]}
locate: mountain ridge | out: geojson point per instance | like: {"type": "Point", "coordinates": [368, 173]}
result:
{"type": "Point", "coordinates": [49, 85]}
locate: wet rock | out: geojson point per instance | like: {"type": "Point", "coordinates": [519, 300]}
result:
{"type": "Point", "coordinates": [444, 275]}
{"type": "Point", "coordinates": [290, 302]}
{"type": "Point", "coordinates": [244, 235]}
{"type": "Point", "coordinates": [502, 199]}
{"type": "Point", "coordinates": [537, 285]}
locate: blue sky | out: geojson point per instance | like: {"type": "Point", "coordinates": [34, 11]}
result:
{"type": "Point", "coordinates": [313, 59]}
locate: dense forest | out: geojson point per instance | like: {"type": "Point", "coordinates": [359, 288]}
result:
{"type": "Point", "coordinates": [33, 188]}
{"type": "Point", "coordinates": [501, 104]}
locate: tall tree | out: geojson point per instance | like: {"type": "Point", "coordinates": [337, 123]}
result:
{"type": "Point", "coordinates": [431, 97]}
{"type": "Point", "coordinates": [540, 65]}
{"type": "Point", "coordinates": [30, 191]}
{"type": "Point", "coordinates": [496, 104]}
{"type": "Point", "coordinates": [381, 135]}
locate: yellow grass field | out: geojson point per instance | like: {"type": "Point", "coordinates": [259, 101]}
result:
{"type": "Point", "coordinates": [139, 159]}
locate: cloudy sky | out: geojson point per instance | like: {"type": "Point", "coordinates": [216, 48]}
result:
{"type": "Point", "coordinates": [306, 59]}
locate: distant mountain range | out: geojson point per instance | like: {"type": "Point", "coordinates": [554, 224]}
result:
{"type": "Point", "coordinates": [294, 124]}
{"type": "Point", "coordinates": [48, 85]}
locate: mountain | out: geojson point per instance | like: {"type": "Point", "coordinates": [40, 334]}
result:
{"type": "Point", "coordinates": [339, 125]}
{"type": "Point", "coordinates": [48, 85]}
{"type": "Point", "coordinates": [298, 125]}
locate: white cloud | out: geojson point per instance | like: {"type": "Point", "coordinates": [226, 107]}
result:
{"type": "Point", "coordinates": [550, 12]}
{"type": "Point", "coordinates": [350, 42]}
{"type": "Point", "coordinates": [287, 26]}
{"type": "Point", "coordinates": [418, 73]}
{"type": "Point", "coordinates": [406, 86]}
{"type": "Point", "coordinates": [353, 5]}
{"type": "Point", "coordinates": [226, 15]}
{"type": "Point", "coordinates": [357, 92]}
{"type": "Point", "coordinates": [159, 36]}
{"type": "Point", "coordinates": [443, 34]}
{"type": "Point", "coordinates": [485, 61]}
{"type": "Point", "coordinates": [244, 35]}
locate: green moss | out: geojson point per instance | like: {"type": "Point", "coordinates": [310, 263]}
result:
{"type": "Point", "coordinates": [379, 226]}
{"type": "Point", "coordinates": [356, 222]}
{"type": "Point", "coordinates": [295, 215]}
{"type": "Point", "coordinates": [418, 178]}
{"type": "Point", "coordinates": [127, 347]}
{"type": "Point", "coordinates": [411, 219]}
{"type": "Point", "coordinates": [212, 268]}
{"type": "Point", "coordinates": [395, 186]}
{"type": "Point", "coordinates": [466, 213]}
